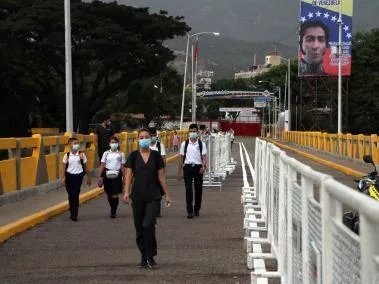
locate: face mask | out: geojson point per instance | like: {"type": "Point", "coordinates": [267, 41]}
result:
{"type": "Point", "coordinates": [113, 146]}
{"type": "Point", "coordinates": [76, 147]}
{"type": "Point", "coordinates": [193, 135]}
{"type": "Point", "coordinates": [144, 143]}
{"type": "Point", "coordinates": [154, 139]}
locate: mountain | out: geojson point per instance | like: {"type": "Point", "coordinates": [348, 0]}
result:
{"type": "Point", "coordinates": [251, 20]}
{"type": "Point", "coordinates": [266, 25]}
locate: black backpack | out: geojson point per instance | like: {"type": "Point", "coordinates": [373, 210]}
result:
{"type": "Point", "coordinates": [81, 159]}
{"type": "Point", "coordinates": [186, 147]}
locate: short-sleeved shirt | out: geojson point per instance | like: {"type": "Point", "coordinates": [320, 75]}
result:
{"type": "Point", "coordinates": [103, 137]}
{"type": "Point", "coordinates": [193, 152]}
{"type": "Point", "coordinates": [113, 160]}
{"type": "Point", "coordinates": [155, 148]}
{"type": "Point", "coordinates": [74, 164]}
{"type": "Point", "coordinates": [146, 186]}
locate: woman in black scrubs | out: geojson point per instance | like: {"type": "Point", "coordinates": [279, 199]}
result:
{"type": "Point", "coordinates": [145, 169]}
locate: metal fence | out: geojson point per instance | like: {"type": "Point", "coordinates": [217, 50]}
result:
{"type": "Point", "coordinates": [302, 211]}
{"type": "Point", "coordinates": [220, 162]}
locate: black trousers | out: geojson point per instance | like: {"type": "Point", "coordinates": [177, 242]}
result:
{"type": "Point", "coordinates": [192, 174]}
{"type": "Point", "coordinates": [73, 184]}
{"type": "Point", "coordinates": [145, 217]}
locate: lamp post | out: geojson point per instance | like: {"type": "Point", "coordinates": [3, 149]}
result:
{"type": "Point", "coordinates": [276, 105]}
{"type": "Point", "coordinates": [289, 89]}
{"type": "Point", "coordinates": [68, 67]}
{"type": "Point", "coordinates": [185, 72]}
{"type": "Point", "coordinates": [340, 69]}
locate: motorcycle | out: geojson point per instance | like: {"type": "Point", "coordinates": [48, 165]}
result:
{"type": "Point", "coordinates": [367, 185]}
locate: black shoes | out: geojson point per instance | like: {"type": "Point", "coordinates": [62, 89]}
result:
{"type": "Point", "coordinates": [142, 264]}
{"type": "Point", "coordinates": [197, 214]}
{"type": "Point", "coordinates": [74, 218]}
{"type": "Point", "coordinates": [151, 263]}
{"type": "Point", "coordinates": [113, 216]}
{"type": "Point", "coordinates": [190, 215]}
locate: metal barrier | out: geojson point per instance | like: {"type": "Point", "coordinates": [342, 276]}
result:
{"type": "Point", "coordinates": [302, 211]}
{"type": "Point", "coordinates": [220, 163]}
{"type": "Point", "coordinates": [345, 145]}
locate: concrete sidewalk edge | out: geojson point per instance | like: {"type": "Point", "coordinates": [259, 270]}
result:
{"type": "Point", "coordinates": [11, 229]}
{"type": "Point", "coordinates": [343, 169]}
{"type": "Point", "coordinates": [25, 223]}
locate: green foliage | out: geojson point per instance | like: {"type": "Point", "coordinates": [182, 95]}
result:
{"type": "Point", "coordinates": [112, 45]}
{"type": "Point", "coordinates": [364, 86]}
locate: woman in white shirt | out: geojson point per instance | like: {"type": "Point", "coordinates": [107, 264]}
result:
{"type": "Point", "coordinates": [112, 173]}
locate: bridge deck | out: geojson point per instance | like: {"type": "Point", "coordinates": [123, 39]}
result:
{"type": "Point", "coordinates": [97, 249]}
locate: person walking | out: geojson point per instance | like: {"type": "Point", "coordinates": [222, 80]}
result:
{"type": "Point", "coordinates": [74, 168]}
{"type": "Point", "coordinates": [157, 146]}
{"type": "Point", "coordinates": [145, 169]}
{"type": "Point", "coordinates": [104, 132]}
{"type": "Point", "coordinates": [176, 141]}
{"type": "Point", "coordinates": [192, 165]}
{"type": "Point", "coordinates": [111, 174]}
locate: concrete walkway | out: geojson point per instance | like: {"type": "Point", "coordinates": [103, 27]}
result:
{"type": "Point", "coordinates": [97, 249]}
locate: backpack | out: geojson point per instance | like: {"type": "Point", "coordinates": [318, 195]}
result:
{"type": "Point", "coordinates": [133, 158]}
{"type": "Point", "coordinates": [186, 147]}
{"type": "Point", "coordinates": [159, 146]}
{"type": "Point", "coordinates": [81, 159]}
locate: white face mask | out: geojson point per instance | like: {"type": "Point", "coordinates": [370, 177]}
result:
{"type": "Point", "coordinates": [114, 146]}
{"type": "Point", "coordinates": [75, 147]}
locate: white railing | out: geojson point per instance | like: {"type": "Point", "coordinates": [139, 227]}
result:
{"type": "Point", "coordinates": [303, 214]}
{"type": "Point", "coordinates": [220, 163]}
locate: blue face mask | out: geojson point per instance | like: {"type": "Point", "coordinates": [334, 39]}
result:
{"type": "Point", "coordinates": [75, 147]}
{"type": "Point", "coordinates": [193, 135]}
{"type": "Point", "coordinates": [113, 146]}
{"type": "Point", "coordinates": [144, 143]}
{"type": "Point", "coordinates": [154, 139]}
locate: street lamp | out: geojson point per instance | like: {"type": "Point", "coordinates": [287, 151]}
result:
{"type": "Point", "coordinates": [68, 67]}
{"type": "Point", "coordinates": [185, 74]}
{"type": "Point", "coordinates": [276, 106]}
{"type": "Point", "coordinates": [289, 90]}
{"type": "Point", "coordinates": [340, 69]}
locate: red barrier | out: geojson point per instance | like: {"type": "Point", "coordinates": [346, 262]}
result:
{"type": "Point", "coordinates": [242, 128]}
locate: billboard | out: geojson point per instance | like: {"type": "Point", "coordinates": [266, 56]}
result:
{"type": "Point", "coordinates": [318, 37]}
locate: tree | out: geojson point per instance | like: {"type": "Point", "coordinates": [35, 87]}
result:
{"type": "Point", "coordinates": [112, 45]}
{"type": "Point", "coordinates": [364, 84]}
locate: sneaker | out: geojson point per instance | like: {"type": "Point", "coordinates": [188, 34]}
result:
{"type": "Point", "coordinates": [113, 216]}
{"type": "Point", "coordinates": [142, 264]}
{"type": "Point", "coordinates": [151, 263]}
{"type": "Point", "coordinates": [190, 215]}
{"type": "Point", "coordinates": [74, 218]}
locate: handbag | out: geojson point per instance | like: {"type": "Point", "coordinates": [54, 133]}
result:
{"type": "Point", "coordinates": [111, 174]}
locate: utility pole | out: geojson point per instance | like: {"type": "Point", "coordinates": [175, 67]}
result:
{"type": "Point", "coordinates": [68, 64]}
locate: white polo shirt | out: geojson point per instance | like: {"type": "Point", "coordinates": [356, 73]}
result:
{"type": "Point", "coordinates": [113, 160]}
{"type": "Point", "coordinates": [193, 152]}
{"type": "Point", "coordinates": [74, 165]}
{"type": "Point", "coordinates": [155, 148]}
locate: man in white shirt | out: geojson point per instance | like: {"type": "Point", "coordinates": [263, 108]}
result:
{"type": "Point", "coordinates": [192, 165]}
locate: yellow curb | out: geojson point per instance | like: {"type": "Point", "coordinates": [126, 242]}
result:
{"type": "Point", "coordinates": [316, 159]}
{"type": "Point", "coordinates": [23, 224]}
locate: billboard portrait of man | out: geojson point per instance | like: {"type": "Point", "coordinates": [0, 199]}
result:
{"type": "Point", "coordinates": [314, 38]}
{"type": "Point", "coordinates": [319, 37]}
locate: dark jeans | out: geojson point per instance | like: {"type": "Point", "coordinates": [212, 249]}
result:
{"type": "Point", "coordinates": [192, 174]}
{"type": "Point", "coordinates": [145, 216]}
{"type": "Point", "coordinates": [73, 184]}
